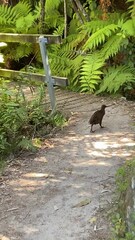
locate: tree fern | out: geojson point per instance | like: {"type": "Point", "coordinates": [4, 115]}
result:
{"type": "Point", "coordinates": [59, 59]}
{"type": "Point", "coordinates": [54, 19]}
{"type": "Point", "coordinates": [18, 19]}
{"type": "Point", "coordinates": [76, 71]}
{"type": "Point", "coordinates": [91, 72]}
{"type": "Point", "coordinates": [7, 15]}
{"type": "Point", "coordinates": [51, 5]}
{"type": "Point", "coordinates": [65, 61]}
{"type": "Point", "coordinates": [100, 36]}
{"type": "Point", "coordinates": [112, 46]}
{"type": "Point", "coordinates": [132, 7]}
{"type": "Point", "coordinates": [22, 8]}
{"type": "Point", "coordinates": [59, 30]}
{"type": "Point", "coordinates": [94, 25]}
{"type": "Point", "coordinates": [128, 27]}
{"type": "Point", "coordinates": [23, 24]}
{"type": "Point", "coordinates": [73, 26]}
{"type": "Point", "coordinates": [115, 77]}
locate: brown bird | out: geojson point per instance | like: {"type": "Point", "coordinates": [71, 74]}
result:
{"type": "Point", "coordinates": [97, 117]}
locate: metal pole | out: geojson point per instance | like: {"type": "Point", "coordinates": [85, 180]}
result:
{"type": "Point", "coordinates": [49, 80]}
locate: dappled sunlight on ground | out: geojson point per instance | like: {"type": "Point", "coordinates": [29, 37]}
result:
{"type": "Point", "coordinates": [81, 152]}
{"type": "Point", "coordinates": [41, 197]}
{"type": "Point", "coordinates": [2, 237]}
{"type": "Point", "coordinates": [92, 163]}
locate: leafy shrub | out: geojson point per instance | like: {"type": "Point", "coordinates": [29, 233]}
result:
{"type": "Point", "coordinates": [21, 120]}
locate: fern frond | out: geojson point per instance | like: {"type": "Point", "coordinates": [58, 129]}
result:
{"type": "Point", "coordinates": [54, 19]}
{"type": "Point", "coordinates": [116, 77]}
{"type": "Point", "coordinates": [23, 24]}
{"type": "Point", "coordinates": [59, 60]}
{"type": "Point", "coordinates": [112, 46]}
{"type": "Point", "coordinates": [132, 7]}
{"type": "Point", "coordinates": [65, 61]}
{"type": "Point", "coordinates": [91, 72]}
{"type": "Point", "coordinates": [51, 5]}
{"type": "Point", "coordinates": [23, 50]}
{"type": "Point", "coordinates": [59, 30]}
{"type": "Point", "coordinates": [77, 40]}
{"type": "Point", "coordinates": [76, 70]}
{"type": "Point", "coordinates": [115, 17]}
{"type": "Point", "coordinates": [73, 26]}
{"type": "Point", "coordinates": [93, 26]}
{"type": "Point", "coordinates": [129, 27]}
{"type": "Point", "coordinates": [22, 8]}
{"type": "Point", "coordinates": [7, 15]}
{"type": "Point", "coordinates": [26, 144]}
{"type": "Point", "coordinates": [99, 37]}
{"type": "Point", "coordinates": [37, 11]}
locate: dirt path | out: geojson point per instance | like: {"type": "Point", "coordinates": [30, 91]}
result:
{"type": "Point", "coordinates": [63, 192]}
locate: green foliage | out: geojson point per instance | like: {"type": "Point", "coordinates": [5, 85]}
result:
{"type": "Point", "coordinates": [54, 19]}
{"type": "Point", "coordinates": [122, 180]}
{"type": "Point", "coordinates": [77, 57]}
{"type": "Point", "coordinates": [124, 174]}
{"type": "Point", "coordinates": [115, 77]}
{"type": "Point", "coordinates": [7, 16]}
{"type": "Point", "coordinates": [18, 19]}
{"type": "Point", "coordinates": [63, 63]}
{"type": "Point", "coordinates": [51, 5]}
{"type": "Point", "coordinates": [128, 27]}
{"type": "Point", "coordinates": [10, 15]}
{"type": "Point", "coordinates": [131, 7]}
{"type": "Point", "coordinates": [94, 25]}
{"type": "Point", "coordinates": [23, 8]}
{"type": "Point", "coordinates": [123, 183]}
{"type": "Point", "coordinates": [119, 227]}
{"type": "Point", "coordinates": [112, 46]}
{"type": "Point", "coordinates": [91, 72]}
{"type": "Point", "coordinates": [23, 120]}
{"type": "Point", "coordinates": [57, 119]}
{"type": "Point", "coordinates": [24, 23]}
{"type": "Point", "coordinates": [97, 39]}
{"type": "Point", "coordinates": [100, 36]}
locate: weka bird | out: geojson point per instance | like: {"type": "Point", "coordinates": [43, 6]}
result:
{"type": "Point", "coordinates": [97, 117]}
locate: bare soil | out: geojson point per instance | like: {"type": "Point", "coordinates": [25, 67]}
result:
{"type": "Point", "coordinates": [66, 189]}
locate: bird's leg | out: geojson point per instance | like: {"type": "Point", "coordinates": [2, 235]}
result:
{"type": "Point", "coordinates": [101, 125]}
{"type": "Point", "coordinates": [91, 129]}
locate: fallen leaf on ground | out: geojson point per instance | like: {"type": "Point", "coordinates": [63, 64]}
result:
{"type": "Point", "coordinates": [92, 220]}
{"type": "Point", "coordinates": [82, 203]}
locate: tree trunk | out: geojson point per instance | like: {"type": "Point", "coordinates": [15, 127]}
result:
{"type": "Point", "coordinates": [76, 10]}
{"type": "Point", "coordinates": [42, 16]}
{"type": "Point", "coordinates": [82, 10]}
{"type": "Point", "coordinates": [65, 18]}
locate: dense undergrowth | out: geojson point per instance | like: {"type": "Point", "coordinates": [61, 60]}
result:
{"type": "Point", "coordinates": [24, 122]}
{"type": "Point", "coordinates": [97, 54]}
{"type": "Point", "coordinates": [123, 218]}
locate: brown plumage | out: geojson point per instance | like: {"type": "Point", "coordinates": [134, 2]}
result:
{"type": "Point", "coordinates": [97, 117]}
